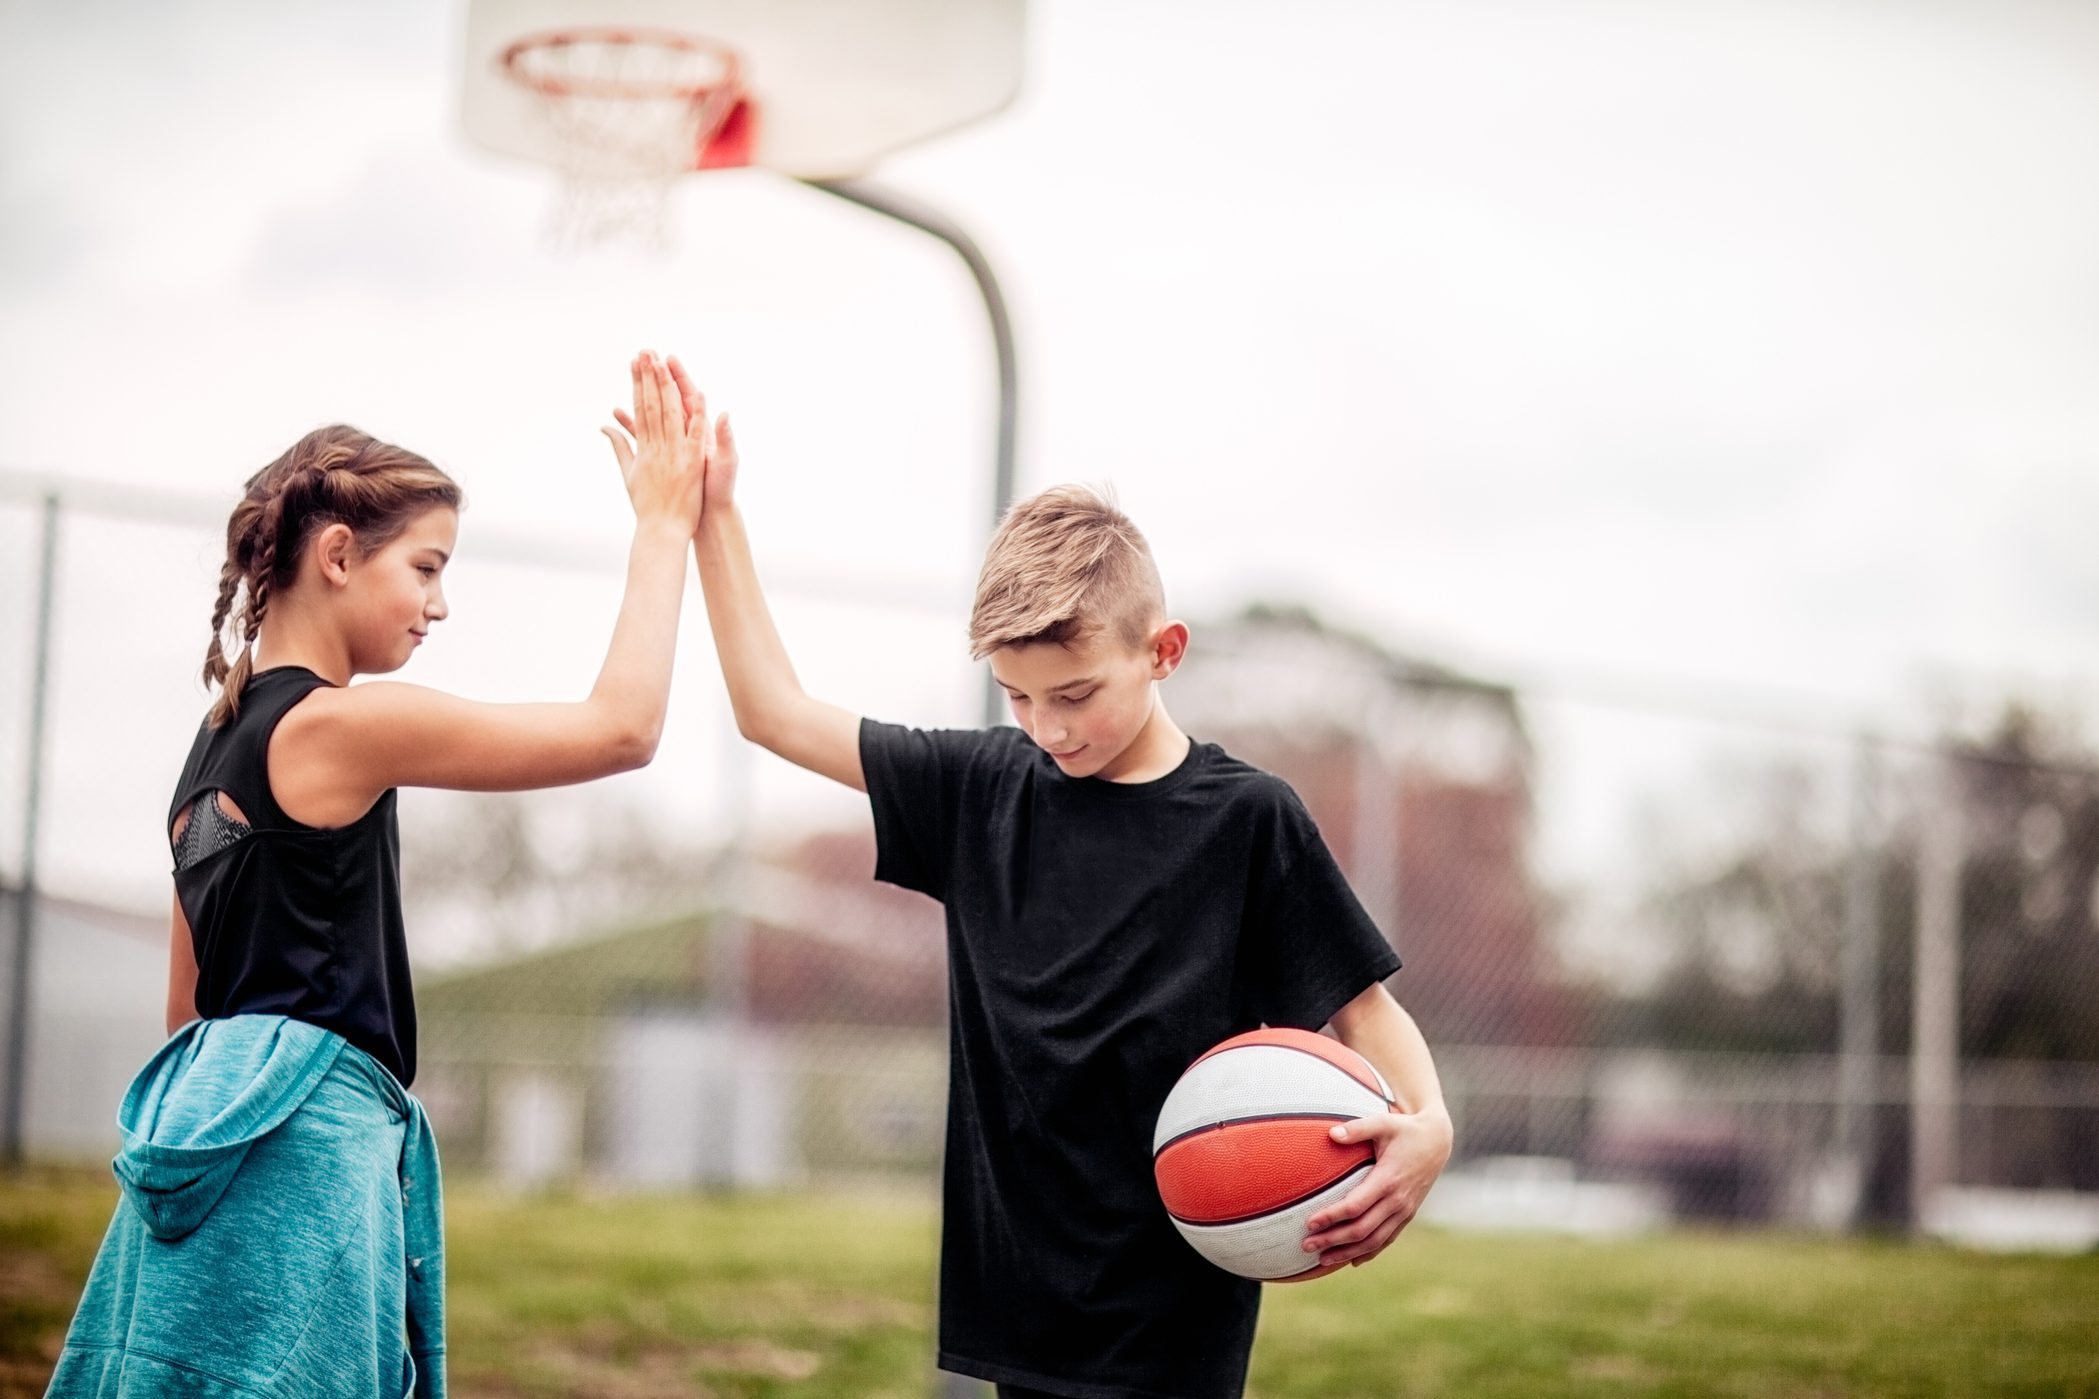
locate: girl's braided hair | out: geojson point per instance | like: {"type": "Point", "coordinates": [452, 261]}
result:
{"type": "Point", "coordinates": [332, 475]}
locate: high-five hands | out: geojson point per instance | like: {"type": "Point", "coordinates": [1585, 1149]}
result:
{"type": "Point", "coordinates": [663, 450]}
{"type": "Point", "coordinates": [721, 457]}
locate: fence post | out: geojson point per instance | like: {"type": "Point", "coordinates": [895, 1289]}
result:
{"type": "Point", "coordinates": [728, 993]}
{"type": "Point", "coordinates": [1858, 1078]}
{"type": "Point", "coordinates": [13, 1108]}
{"type": "Point", "coordinates": [1935, 1010]}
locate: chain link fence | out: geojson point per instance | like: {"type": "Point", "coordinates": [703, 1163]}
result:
{"type": "Point", "coordinates": [1678, 961]}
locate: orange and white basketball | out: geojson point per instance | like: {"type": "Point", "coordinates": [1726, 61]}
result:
{"type": "Point", "coordinates": [1242, 1155]}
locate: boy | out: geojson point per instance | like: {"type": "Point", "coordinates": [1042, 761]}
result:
{"type": "Point", "coordinates": [1118, 899]}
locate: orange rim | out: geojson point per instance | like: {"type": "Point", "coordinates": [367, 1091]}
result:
{"type": "Point", "coordinates": [516, 60]}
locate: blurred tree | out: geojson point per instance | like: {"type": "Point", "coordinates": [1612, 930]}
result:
{"type": "Point", "coordinates": [1756, 932]}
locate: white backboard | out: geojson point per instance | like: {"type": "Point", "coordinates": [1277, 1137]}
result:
{"type": "Point", "coordinates": [838, 84]}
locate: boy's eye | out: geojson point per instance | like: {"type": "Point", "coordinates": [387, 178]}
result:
{"type": "Point", "coordinates": [1080, 699]}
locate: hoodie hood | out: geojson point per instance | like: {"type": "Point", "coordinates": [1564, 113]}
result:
{"type": "Point", "coordinates": [209, 1094]}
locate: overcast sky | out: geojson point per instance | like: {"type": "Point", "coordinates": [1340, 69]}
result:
{"type": "Point", "coordinates": [1749, 347]}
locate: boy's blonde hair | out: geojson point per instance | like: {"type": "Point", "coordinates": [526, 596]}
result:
{"type": "Point", "coordinates": [1065, 566]}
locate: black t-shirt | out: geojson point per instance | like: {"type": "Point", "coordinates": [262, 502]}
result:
{"type": "Point", "coordinates": [1101, 936]}
{"type": "Point", "coordinates": [288, 919]}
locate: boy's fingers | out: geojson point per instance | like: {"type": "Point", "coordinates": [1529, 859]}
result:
{"type": "Point", "coordinates": [1365, 1251]}
{"type": "Point", "coordinates": [683, 380]}
{"type": "Point", "coordinates": [1349, 1206]}
{"type": "Point", "coordinates": [1380, 1241]}
{"type": "Point", "coordinates": [621, 452]}
{"type": "Point", "coordinates": [640, 412]}
{"type": "Point", "coordinates": [724, 439]}
{"type": "Point", "coordinates": [623, 418]}
{"type": "Point", "coordinates": [1363, 1129]}
{"type": "Point", "coordinates": [1378, 1225]}
{"type": "Point", "coordinates": [1348, 1231]}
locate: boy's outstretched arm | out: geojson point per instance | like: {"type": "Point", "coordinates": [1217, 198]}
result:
{"type": "Point", "coordinates": [1412, 1143]}
{"type": "Point", "coordinates": [772, 710]}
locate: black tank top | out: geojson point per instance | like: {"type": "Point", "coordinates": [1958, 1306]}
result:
{"type": "Point", "coordinates": [289, 919]}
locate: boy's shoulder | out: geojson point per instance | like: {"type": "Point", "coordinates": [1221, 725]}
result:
{"type": "Point", "coordinates": [1244, 779]}
{"type": "Point", "coordinates": [1251, 792]}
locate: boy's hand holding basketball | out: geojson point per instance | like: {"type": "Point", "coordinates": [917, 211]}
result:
{"type": "Point", "coordinates": [1412, 1144]}
{"type": "Point", "coordinates": [1412, 1148]}
{"type": "Point", "coordinates": [665, 463]}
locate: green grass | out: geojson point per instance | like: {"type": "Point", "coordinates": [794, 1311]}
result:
{"type": "Point", "coordinates": [832, 1296]}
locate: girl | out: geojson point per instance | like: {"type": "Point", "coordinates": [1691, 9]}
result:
{"type": "Point", "coordinates": [280, 1231]}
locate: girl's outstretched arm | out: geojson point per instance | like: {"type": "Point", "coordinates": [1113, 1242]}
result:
{"type": "Point", "coordinates": [353, 743]}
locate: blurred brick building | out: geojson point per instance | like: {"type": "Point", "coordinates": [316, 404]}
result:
{"type": "Point", "coordinates": [1419, 778]}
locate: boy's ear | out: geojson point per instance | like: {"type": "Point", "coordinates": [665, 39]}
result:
{"type": "Point", "coordinates": [1169, 649]}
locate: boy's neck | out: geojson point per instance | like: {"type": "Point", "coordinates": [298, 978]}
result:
{"type": "Point", "coordinates": [1158, 749]}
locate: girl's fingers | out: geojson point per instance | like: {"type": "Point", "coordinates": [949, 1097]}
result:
{"type": "Point", "coordinates": [635, 367]}
{"type": "Point", "coordinates": [621, 452]}
{"type": "Point", "coordinates": [673, 411]}
{"type": "Point", "coordinates": [651, 405]}
{"type": "Point", "coordinates": [724, 440]}
{"type": "Point", "coordinates": [624, 419]}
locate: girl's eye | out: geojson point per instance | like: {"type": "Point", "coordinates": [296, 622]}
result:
{"type": "Point", "coordinates": [1081, 699]}
{"type": "Point", "coordinates": [426, 570]}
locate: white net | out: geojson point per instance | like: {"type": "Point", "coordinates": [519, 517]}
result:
{"type": "Point", "coordinates": [629, 111]}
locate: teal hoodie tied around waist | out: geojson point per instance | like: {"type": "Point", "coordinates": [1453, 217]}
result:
{"type": "Point", "coordinates": [281, 1231]}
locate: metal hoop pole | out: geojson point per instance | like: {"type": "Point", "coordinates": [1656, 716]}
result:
{"type": "Point", "coordinates": [949, 232]}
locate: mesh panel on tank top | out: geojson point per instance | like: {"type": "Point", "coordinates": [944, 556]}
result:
{"type": "Point", "coordinates": [207, 831]}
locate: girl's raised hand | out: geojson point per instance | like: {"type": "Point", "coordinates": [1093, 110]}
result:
{"type": "Point", "coordinates": [663, 453]}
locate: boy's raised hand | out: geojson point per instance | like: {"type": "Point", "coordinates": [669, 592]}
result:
{"type": "Point", "coordinates": [663, 454]}
{"type": "Point", "coordinates": [721, 456]}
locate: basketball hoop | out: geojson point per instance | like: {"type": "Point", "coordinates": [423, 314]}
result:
{"type": "Point", "coordinates": [628, 111]}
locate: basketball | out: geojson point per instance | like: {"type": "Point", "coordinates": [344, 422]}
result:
{"type": "Point", "coordinates": [1242, 1154]}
